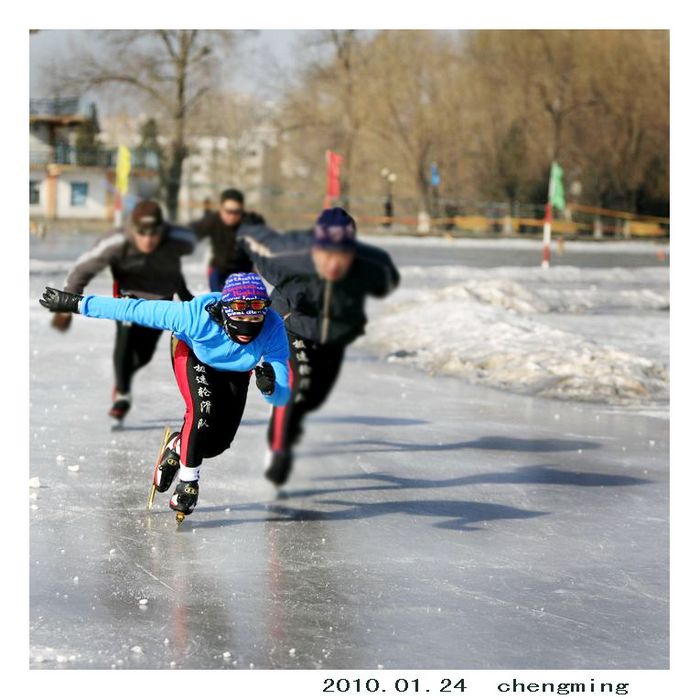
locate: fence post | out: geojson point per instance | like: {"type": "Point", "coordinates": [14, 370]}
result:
{"type": "Point", "coordinates": [507, 225]}
{"type": "Point", "coordinates": [597, 227]}
{"type": "Point", "coordinates": [423, 222]}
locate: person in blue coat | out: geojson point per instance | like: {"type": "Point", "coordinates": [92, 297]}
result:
{"type": "Point", "coordinates": [218, 340]}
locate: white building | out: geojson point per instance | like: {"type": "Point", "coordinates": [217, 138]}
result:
{"type": "Point", "coordinates": [249, 162]}
{"type": "Point", "coordinates": [69, 182]}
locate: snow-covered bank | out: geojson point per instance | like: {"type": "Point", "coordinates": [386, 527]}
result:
{"type": "Point", "coordinates": [607, 247]}
{"type": "Point", "coordinates": [588, 334]}
{"type": "Point", "coordinates": [554, 333]}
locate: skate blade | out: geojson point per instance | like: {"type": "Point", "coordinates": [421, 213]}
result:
{"type": "Point", "coordinates": [163, 443]}
{"type": "Point", "coordinates": [151, 496]}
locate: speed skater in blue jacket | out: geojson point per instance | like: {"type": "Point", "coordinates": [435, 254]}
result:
{"type": "Point", "coordinates": [218, 340]}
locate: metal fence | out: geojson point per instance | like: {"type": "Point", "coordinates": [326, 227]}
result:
{"type": "Point", "coordinates": [61, 154]}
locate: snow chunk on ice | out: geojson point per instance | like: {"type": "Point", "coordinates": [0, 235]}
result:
{"type": "Point", "coordinates": [34, 483]}
{"type": "Point", "coordinates": [501, 327]}
{"type": "Point", "coordinates": [73, 467]}
{"type": "Point", "coordinates": [136, 650]}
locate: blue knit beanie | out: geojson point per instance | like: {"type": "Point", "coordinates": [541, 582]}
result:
{"type": "Point", "coordinates": [335, 230]}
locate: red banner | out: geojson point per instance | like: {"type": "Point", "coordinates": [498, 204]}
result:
{"type": "Point", "coordinates": [333, 161]}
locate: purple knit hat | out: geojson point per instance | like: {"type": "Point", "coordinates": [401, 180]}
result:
{"type": "Point", "coordinates": [243, 285]}
{"type": "Point", "coordinates": [335, 230]}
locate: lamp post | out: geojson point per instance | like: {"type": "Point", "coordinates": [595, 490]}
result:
{"type": "Point", "coordinates": [390, 178]}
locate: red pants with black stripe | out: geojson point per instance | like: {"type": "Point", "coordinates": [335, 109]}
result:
{"type": "Point", "coordinates": [313, 370]}
{"type": "Point", "coordinates": [214, 404]}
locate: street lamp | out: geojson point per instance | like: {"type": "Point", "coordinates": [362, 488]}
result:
{"type": "Point", "coordinates": [389, 201]}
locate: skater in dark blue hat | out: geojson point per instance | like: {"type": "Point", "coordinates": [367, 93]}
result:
{"type": "Point", "coordinates": [321, 279]}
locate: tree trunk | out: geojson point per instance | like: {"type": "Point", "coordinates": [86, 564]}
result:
{"type": "Point", "coordinates": [174, 177]}
{"type": "Point", "coordinates": [178, 148]}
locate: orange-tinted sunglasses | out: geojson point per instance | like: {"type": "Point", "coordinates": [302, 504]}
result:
{"type": "Point", "coordinates": [245, 304]}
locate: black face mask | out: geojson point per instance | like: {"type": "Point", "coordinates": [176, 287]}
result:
{"type": "Point", "coordinates": [235, 328]}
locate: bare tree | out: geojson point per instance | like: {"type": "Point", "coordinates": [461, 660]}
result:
{"type": "Point", "coordinates": [169, 71]}
{"type": "Point", "coordinates": [493, 108]}
{"type": "Point", "coordinates": [406, 94]}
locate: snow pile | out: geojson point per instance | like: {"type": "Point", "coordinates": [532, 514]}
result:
{"type": "Point", "coordinates": [498, 327]}
{"type": "Point", "coordinates": [561, 289]}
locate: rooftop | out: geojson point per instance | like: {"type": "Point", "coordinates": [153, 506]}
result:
{"type": "Point", "coordinates": [58, 109]}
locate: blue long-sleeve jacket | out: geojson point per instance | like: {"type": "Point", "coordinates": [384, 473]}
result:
{"type": "Point", "coordinates": [190, 322]}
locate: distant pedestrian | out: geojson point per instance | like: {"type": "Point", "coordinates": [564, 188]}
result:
{"type": "Point", "coordinates": [221, 228]}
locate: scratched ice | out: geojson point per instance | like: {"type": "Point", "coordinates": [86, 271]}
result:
{"type": "Point", "coordinates": [456, 527]}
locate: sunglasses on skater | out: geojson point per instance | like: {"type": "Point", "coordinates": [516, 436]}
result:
{"type": "Point", "coordinates": [150, 231]}
{"type": "Point", "coordinates": [232, 212]}
{"type": "Point", "coordinates": [246, 304]}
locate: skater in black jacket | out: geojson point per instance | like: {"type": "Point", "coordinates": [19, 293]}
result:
{"type": "Point", "coordinates": [145, 261]}
{"type": "Point", "coordinates": [221, 228]}
{"type": "Point", "coordinates": [321, 278]}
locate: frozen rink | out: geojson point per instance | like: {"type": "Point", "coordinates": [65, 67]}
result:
{"type": "Point", "coordinates": [431, 522]}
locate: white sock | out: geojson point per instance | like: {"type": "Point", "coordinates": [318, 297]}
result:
{"type": "Point", "coordinates": [189, 473]}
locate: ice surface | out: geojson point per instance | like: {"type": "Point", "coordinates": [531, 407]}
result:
{"type": "Point", "coordinates": [429, 522]}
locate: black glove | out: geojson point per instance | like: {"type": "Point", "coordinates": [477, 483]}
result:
{"type": "Point", "coordinates": [56, 300]}
{"type": "Point", "coordinates": [265, 378]}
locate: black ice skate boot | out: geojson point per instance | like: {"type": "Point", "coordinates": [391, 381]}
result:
{"type": "Point", "coordinates": [184, 499]}
{"type": "Point", "coordinates": [120, 406]}
{"type": "Point", "coordinates": [168, 465]}
{"type": "Point", "coordinates": [279, 467]}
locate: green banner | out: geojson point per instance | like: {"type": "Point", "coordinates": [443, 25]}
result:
{"type": "Point", "coordinates": [557, 196]}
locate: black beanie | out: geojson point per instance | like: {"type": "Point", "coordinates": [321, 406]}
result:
{"type": "Point", "coordinates": [335, 230]}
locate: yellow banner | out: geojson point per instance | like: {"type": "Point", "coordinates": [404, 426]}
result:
{"type": "Point", "coordinates": [123, 169]}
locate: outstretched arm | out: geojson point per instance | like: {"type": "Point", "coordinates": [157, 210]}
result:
{"type": "Point", "coordinates": [272, 252]}
{"type": "Point", "coordinates": [165, 315]}
{"type": "Point", "coordinates": [386, 277]}
{"type": "Point", "coordinates": [93, 261]}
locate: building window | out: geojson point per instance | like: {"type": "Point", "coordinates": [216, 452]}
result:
{"type": "Point", "coordinates": [33, 192]}
{"type": "Point", "coordinates": [78, 194]}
